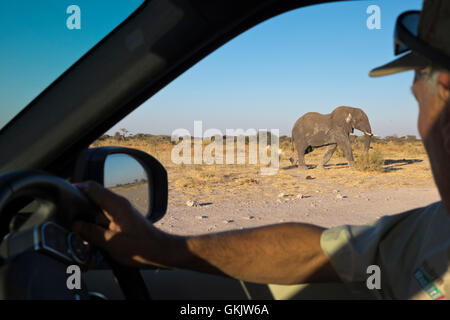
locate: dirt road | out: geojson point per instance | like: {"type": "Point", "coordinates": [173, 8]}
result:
{"type": "Point", "coordinates": [326, 210]}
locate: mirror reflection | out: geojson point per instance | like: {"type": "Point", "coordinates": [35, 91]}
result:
{"type": "Point", "coordinates": [125, 176]}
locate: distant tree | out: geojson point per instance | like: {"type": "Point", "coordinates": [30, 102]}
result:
{"type": "Point", "coordinates": [378, 140]}
{"type": "Point", "coordinates": [395, 139]}
{"type": "Point", "coordinates": [125, 133]}
{"type": "Point", "coordinates": [140, 136]}
{"type": "Point", "coordinates": [104, 137]}
{"type": "Point", "coordinates": [391, 138]}
{"type": "Point", "coordinates": [118, 136]}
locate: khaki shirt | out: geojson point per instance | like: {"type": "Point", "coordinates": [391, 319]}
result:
{"type": "Point", "coordinates": [411, 249]}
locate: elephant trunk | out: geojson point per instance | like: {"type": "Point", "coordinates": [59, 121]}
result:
{"type": "Point", "coordinates": [364, 126]}
{"type": "Point", "coordinates": [367, 139]}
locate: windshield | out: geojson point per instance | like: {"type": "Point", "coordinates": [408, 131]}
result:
{"type": "Point", "coordinates": [40, 39]}
{"type": "Point", "coordinates": [304, 61]}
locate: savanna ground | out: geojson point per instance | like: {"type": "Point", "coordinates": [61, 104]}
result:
{"type": "Point", "coordinates": [394, 177]}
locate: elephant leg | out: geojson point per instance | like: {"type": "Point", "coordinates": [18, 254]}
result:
{"type": "Point", "coordinates": [294, 159]}
{"type": "Point", "coordinates": [301, 156]}
{"type": "Point", "coordinates": [346, 147]}
{"type": "Point", "coordinates": [327, 156]}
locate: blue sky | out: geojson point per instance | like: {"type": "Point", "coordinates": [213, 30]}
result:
{"type": "Point", "coordinates": [122, 169]}
{"type": "Point", "coordinates": [310, 59]}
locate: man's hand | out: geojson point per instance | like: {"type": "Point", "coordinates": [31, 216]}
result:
{"type": "Point", "coordinates": [120, 229]}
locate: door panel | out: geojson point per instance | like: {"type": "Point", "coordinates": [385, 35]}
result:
{"type": "Point", "coordinates": [189, 285]}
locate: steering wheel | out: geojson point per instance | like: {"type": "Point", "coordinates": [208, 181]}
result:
{"type": "Point", "coordinates": [38, 246]}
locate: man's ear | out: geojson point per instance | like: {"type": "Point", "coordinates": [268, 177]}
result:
{"type": "Point", "coordinates": [443, 84]}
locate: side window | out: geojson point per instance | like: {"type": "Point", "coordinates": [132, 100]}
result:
{"type": "Point", "coordinates": [284, 124]}
{"type": "Point", "coordinates": [40, 40]}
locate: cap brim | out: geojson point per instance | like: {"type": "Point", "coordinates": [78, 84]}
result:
{"type": "Point", "coordinates": [407, 62]}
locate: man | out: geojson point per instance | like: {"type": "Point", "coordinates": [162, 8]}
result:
{"type": "Point", "coordinates": [412, 249]}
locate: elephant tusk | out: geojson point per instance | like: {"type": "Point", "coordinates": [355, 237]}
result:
{"type": "Point", "coordinates": [370, 134]}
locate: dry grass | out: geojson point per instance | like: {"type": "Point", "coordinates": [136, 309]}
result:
{"type": "Point", "coordinates": [388, 164]}
{"type": "Point", "coordinates": [370, 161]}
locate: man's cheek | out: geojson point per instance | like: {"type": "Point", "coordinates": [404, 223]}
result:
{"type": "Point", "coordinates": [446, 136]}
{"type": "Point", "coordinates": [430, 116]}
{"type": "Point", "coordinates": [421, 125]}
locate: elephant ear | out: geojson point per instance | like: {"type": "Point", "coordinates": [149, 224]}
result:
{"type": "Point", "coordinates": [349, 118]}
{"type": "Point", "coordinates": [342, 119]}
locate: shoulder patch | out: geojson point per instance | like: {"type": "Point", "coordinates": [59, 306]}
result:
{"type": "Point", "coordinates": [427, 285]}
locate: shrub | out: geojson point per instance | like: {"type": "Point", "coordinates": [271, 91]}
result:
{"type": "Point", "coordinates": [370, 161]}
{"type": "Point", "coordinates": [411, 138]}
{"type": "Point", "coordinates": [338, 153]}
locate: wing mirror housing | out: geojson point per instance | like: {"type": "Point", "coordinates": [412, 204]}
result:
{"type": "Point", "coordinates": [131, 173]}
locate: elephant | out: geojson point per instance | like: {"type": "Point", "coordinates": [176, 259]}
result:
{"type": "Point", "coordinates": [314, 130]}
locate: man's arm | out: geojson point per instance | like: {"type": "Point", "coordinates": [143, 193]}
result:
{"type": "Point", "coordinates": [284, 254]}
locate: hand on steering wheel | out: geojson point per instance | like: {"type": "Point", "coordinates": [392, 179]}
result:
{"type": "Point", "coordinates": [120, 230]}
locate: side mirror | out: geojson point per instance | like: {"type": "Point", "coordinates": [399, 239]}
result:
{"type": "Point", "coordinates": [130, 173]}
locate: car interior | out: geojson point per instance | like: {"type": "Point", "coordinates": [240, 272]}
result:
{"type": "Point", "coordinates": [46, 149]}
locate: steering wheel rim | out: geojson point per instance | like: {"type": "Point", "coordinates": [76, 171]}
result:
{"type": "Point", "coordinates": [70, 204]}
